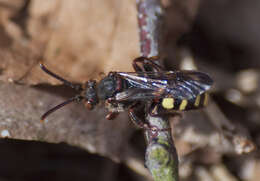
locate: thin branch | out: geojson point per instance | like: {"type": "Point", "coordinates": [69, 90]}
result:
{"type": "Point", "coordinates": [149, 20]}
{"type": "Point", "coordinates": [161, 157]}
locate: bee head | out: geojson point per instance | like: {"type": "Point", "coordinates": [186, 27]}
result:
{"type": "Point", "coordinates": [90, 94]}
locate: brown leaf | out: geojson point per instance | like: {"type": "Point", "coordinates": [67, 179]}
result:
{"type": "Point", "coordinates": [77, 39]}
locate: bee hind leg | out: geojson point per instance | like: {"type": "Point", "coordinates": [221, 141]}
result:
{"type": "Point", "coordinates": [141, 122]}
{"type": "Point", "coordinates": [147, 63]}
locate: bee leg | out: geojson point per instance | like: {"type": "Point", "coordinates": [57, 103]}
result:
{"type": "Point", "coordinates": [136, 67]}
{"type": "Point", "coordinates": [112, 115]}
{"type": "Point", "coordinates": [134, 118]}
{"type": "Point", "coordinates": [141, 123]}
{"type": "Point", "coordinates": [153, 110]}
{"type": "Point", "coordinates": [155, 130]}
{"type": "Point", "coordinates": [145, 63]}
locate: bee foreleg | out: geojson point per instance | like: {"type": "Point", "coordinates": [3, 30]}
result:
{"type": "Point", "coordinates": [111, 115]}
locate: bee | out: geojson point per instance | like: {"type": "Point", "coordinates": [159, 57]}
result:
{"type": "Point", "coordinates": [149, 88]}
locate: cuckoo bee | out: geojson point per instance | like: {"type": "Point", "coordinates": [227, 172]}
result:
{"type": "Point", "coordinates": [149, 88]}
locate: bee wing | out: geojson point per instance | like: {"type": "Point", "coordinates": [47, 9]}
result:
{"type": "Point", "coordinates": [189, 84]}
{"type": "Point", "coordinates": [184, 84]}
{"type": "Point", "coordinates": [135, 94]}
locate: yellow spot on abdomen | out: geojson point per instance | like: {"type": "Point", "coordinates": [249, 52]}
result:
{"type": "Point", "coordinates": [183, 104]}
{"type": "Point", "coordinates": [168, 103]}
{"type": "Point", "coordinates": [206, 99]}
{"type": "Point", "coordinates": [197, 101]}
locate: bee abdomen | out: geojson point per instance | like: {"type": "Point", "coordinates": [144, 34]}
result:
{"type": "Point", "coordinates": [185, 104]}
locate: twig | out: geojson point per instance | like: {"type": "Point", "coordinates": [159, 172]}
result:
{"type": "Point", "coordinates": [149, 20]}
{"type": "Point", "coordinates": [161, 156]}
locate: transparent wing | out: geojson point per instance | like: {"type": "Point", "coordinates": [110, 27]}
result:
{"type": "Point", "coordinates": [179, 84]}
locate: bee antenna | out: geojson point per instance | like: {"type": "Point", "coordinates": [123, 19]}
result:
{"type": "Point", "coordinates": [76, 98]}
{"type": "Point", "coordinates": [78, 87]}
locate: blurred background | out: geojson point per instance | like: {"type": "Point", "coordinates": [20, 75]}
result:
{"type": "Point", "coordinates": [83, 39]}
